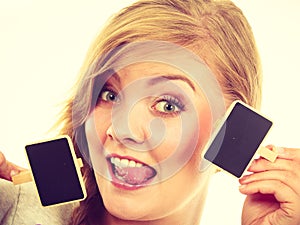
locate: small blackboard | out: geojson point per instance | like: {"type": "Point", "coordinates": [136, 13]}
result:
{"type": "Point", "coordinates": [56, 171]}
{"type": "Point", "coordinates": [237, 138]}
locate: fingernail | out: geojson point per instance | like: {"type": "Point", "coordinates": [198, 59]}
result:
{"type": "Point", "coordinates": [242, 181]}
{"type": "Point", "coordinates": [253, 163]}
{"type": "Point", "coordinates": [245, 177]}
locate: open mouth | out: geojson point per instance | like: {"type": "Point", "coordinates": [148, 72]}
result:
{"type": "Point", "coordinates": [129, 172]}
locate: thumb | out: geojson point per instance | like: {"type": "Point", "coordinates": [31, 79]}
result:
{"type": "Point", "coordinates": [8, 169]}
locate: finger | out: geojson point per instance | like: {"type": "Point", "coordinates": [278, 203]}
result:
{"type": "Point", "coordinates": [289, 153]}
{"type": "Point", "coordinates": [288, 200]}
{"type": "Point", "coordinates": [289, 178]}
{"type": "Point", "coordinates": [4, 167]}
{"type": "Point", "coordinates": [286, 153]}
{"type": "Point", "coordinates": [8, 169]}
{"type": "Point", "coordinates": [283, 193]}
{"type": "Point", "coordinates": [260, 165]}
{"type": "Point", "coordinates": [16, 167]}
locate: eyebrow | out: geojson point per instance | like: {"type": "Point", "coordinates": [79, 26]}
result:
{"type": "Point", "coordinates": [116, 76]}
{"type": "Point", "coordinates": [159, 79]}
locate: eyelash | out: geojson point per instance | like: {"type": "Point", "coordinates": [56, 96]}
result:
{"type": "Point", "coordinates": [107, 89]}
{"type": "Point", "coordinates": [171, 101]}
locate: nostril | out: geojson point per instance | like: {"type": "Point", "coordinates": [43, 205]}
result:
{"type": "Point", "coordinates": [123, 136]}
{"type": "Point", "coordinates": [109, 132]}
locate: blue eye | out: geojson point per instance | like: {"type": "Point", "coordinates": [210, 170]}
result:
{"type": "Point", "coordinates": [168, 106]}
{"type": "Point", "coordinates": [109, 96]}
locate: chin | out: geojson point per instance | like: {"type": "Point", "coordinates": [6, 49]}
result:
{"type": "Point", "coordinates": [126, 204]}
{"type": "Point", "coordinates": [127, 210]}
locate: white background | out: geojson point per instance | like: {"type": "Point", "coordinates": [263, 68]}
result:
{"type": "Point", "coordinates": [42, 46]}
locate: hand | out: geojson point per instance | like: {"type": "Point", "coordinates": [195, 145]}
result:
{"type": "Point", "coordinates": [8, 169]}
{"type": "Point", "coordinates": [273, 190]}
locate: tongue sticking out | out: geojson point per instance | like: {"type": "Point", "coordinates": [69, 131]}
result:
{"type": "Point", "coordinates": [134, 175]}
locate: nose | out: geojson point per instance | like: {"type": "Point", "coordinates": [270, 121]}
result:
{"type": "Point", "coordinates": [129, 125]}
{"type": "Point", "coordinates": [123, 135]}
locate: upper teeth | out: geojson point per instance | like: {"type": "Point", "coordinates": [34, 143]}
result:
{"type": "Point", "coordinates": [124, 162]}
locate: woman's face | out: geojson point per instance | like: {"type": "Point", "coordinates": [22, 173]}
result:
{"type": "Point", "coordinates": [152, 121]}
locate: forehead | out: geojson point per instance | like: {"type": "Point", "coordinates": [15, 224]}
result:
{"type": "Point", "coordinates": [154, 70]}
{"type": "Point", "coordinates": [149, 69]}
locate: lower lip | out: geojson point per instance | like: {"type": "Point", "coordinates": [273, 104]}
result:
{"type": "Point", "coordinates": [117, 183]}
{"type": "Point", "coordinates": [125, 186]}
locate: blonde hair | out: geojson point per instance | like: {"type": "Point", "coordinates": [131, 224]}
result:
{"type": "Point", "coordinates": [215, 30]}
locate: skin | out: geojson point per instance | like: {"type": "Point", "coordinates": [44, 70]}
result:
{"type": "Point", "coordinates": [8, 169]}
{"type": "Point", "coordinates": [272, 189]}
{"type": "Point", "coordinates": [182, 204]}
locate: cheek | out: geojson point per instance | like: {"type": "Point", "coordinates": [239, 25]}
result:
{"type": "Point", "coordinates": [171, 140]}
{"type": "Point", "coordinates": [197, 130]}
{"type": "Point", "coordinates": [95, 128]}
{"type": "Point", "coordinates": [205, 125]}
{"type": "Point", "coordinates": [102, 120]}
{"type": "Point", "coordinates": [184, 137]}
